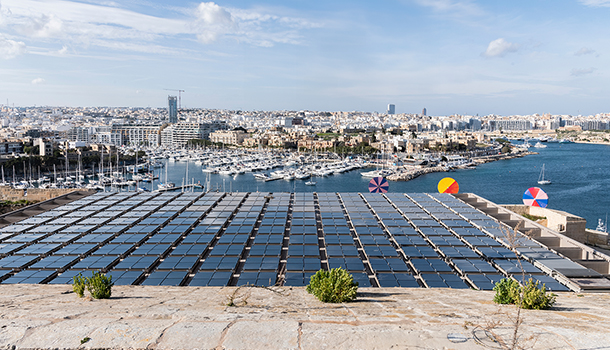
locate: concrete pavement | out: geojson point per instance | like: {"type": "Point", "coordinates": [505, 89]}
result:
{"type": "Point", "coordinates": [140, 317]}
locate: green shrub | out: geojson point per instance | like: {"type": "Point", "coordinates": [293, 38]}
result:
{"type": "Point", "coordinates": [535, 297]}
{"type": "Point", "coordinates": [78, 285]}
{"type": "Point", "coordinates": [509, 291]}
{"type": "Point", "coordinates": [100, 285]}
{"type": "Point", "coordinates": [334, 286]}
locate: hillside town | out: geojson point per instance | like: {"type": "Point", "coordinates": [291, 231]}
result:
{"type": "Point", "coordinates": [65, 138]}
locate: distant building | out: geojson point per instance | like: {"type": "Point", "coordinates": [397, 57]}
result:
{"type": "Point", "coordinates": [173, 109]}
{"type": "Point", "coordinates": [177, 135]}
{"type": "Point", "coordinates": [78, 134]}
{"type": "Point", "coordinates": [391, 109]}
{"type": "Point", "coordinates": [286, 121]}
{"type": "Point", "coordinates": [105, 135]}
{"type": "Point", "coordinates": [504, 125]}
{"type": "Point", "coordinates": [33, 133]}
{"type": "Point", "coordinates": [76, 144]}
{"type": "Point", "coordinates": [45, 147]}
{"type": "Point", "coordinates": [423, 112]}
{"type": "Point", "coordinates": [474, 124]}
{"type": "Point", "coordinates": [229, 137]}
{"type": "Point", "coordinates": [11, 146]}
{"type": "Point", "coordinates": [134, 135]}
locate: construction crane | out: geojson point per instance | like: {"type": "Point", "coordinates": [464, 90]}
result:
{"type": "Point", "coordinates": [179, 97]}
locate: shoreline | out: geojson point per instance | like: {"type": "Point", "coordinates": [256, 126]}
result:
{"type": "Point", "coordinates": [407, 175]}
{"type": "Point", "coordinates": [592, 143]}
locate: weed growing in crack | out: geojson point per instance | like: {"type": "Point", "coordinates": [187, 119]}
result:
{"type": "Point", "coordinates": [241, 294]}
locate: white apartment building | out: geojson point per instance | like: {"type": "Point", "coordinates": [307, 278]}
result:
{"type": "Point", "coordinates": [137, 135]}
{"type": "Point", "coordinates": [177, 135]}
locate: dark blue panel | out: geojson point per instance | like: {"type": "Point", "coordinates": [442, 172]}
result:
{"type": "Point", "coordinates": [28, 277]}
{"type": "Point", "coordinates": [124, 278]}
{"type": "Point", "coordinates": [135, 262]}
{"type": "Point", "coordinates": [55, 262]}
{"type": "Point", "coordinates": [16, 261]}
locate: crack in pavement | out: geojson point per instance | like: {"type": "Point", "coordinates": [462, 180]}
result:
{"type": "Point", "coordinates": [300, 336]}
{"type": "Point", "coordinates": [154, 344]}
{"type": "Point", "coordinates": [223, 334]}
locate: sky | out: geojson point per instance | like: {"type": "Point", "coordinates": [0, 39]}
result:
{"type": "Point", "coordinates": [463, 57]}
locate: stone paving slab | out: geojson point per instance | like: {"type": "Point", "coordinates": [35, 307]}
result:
{"type": "Point", "coordinates": [142, 317]}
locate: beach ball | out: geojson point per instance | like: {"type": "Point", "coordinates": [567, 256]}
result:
{"type": "Point", "coordinates": [448, 185]}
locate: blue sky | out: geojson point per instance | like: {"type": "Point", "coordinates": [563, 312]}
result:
{"type": "Point", "coordinates": [450, 56]}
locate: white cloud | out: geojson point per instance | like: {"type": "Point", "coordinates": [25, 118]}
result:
{"type": "Point", "coordinates": [11, 48]}
{"type": "Point", "coordinates": [212, 21]}
{"type": "Point", "coordinates": [4, 13]}
{"type": "Point", "coordinates": [102, 24]}
{"type": "Point", "coordinates": [460, 8]}
{"type": "Point", "coordinates": [38, 81]}
{"type": "Point", "coordinates": [596, 3]}
{"type": "Point", "coordinates": [577, 72]}
{"type": "Point", "coordinates": [584, 51]}
{"type": "Point", "coordinates": [43, 27]}
{"type": "Point", "coordinates": [499, 48]}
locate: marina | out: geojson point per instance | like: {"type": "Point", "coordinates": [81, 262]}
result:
{"type": "Point", "coordinates": [578, 172]}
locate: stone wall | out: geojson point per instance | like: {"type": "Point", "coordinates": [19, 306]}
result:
{"type": "Point", "coordinates": [567, 224]}
{"type": "Point", "coordinates": [33, 194]}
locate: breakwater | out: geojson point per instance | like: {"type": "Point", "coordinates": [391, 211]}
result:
{"type": "Point", "coordinates": [409, 173]}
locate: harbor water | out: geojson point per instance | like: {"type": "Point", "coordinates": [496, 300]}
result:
{"type": "Point", "coordinates": [580, 175]}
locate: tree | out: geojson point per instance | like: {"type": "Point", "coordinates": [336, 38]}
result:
{"type": "Point", "coordinates": [199, 142]}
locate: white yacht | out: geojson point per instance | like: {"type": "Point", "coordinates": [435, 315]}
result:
{"type": "Point", "coordinates": [377, 173]}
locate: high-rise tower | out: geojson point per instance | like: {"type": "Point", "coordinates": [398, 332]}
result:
{"type": "Point", "coordinates": [173, 109]}
{"type": "Point", "coordinates": [391, 109]}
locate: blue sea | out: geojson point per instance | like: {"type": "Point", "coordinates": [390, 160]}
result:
{"type": "Point", "coordinates": [580, 175]}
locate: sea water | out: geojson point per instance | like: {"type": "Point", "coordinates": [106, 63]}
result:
{"type": "Point", "coordinates": [580, 175]}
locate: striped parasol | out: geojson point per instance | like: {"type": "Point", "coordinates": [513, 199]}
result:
{"type": "Point", "coordinates": [535, 197]}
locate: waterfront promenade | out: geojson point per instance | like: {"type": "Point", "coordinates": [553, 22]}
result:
{"type": "Point", "coordinates": [138, 317]}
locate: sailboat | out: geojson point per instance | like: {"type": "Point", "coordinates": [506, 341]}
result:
{"type": "Point", "coordinates": [601, 225]}
{"type": "Point", "coordinates": [541, 180]}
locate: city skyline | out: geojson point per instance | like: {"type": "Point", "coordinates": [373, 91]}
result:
{"type": "Point", "coordinates": [449, 56]}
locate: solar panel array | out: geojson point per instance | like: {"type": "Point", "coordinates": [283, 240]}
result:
{"type": "Point", "coordinates": [218, 239]}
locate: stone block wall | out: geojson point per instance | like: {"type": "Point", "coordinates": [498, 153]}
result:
{"type": "Point", "coordinates": [33, 194]}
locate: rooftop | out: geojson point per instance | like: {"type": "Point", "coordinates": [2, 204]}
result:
{"type": "Point", "coordinates": [140, 317]}
{"type": "Point", "coordinates": [231, 239]}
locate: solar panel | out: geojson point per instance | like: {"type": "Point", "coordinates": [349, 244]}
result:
{"type": "Point", "coordinates": [250, 238]}
{"type": "Point", "coordinates": [29, 277]}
